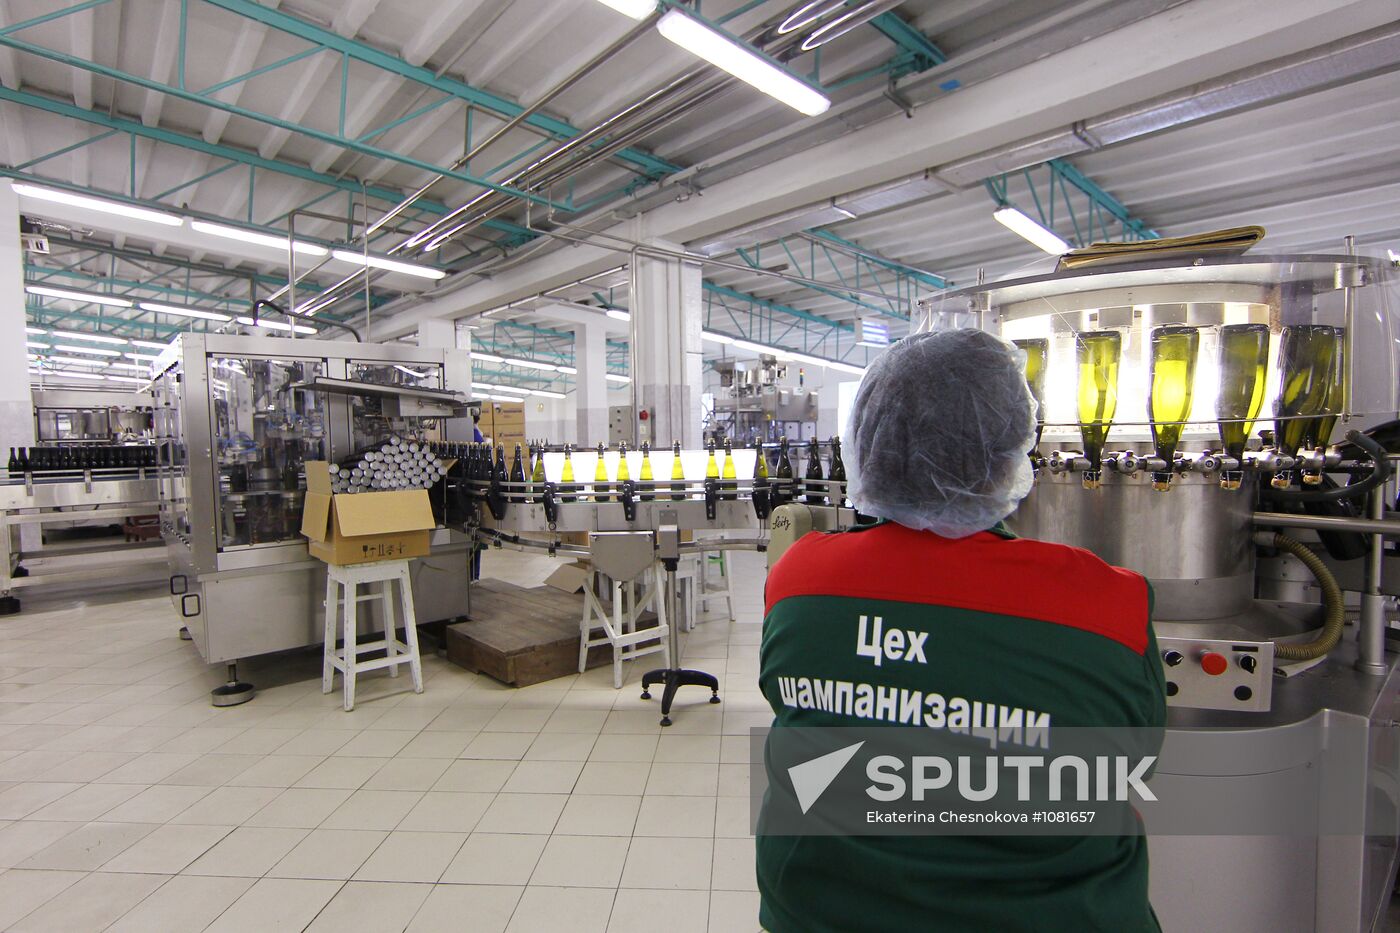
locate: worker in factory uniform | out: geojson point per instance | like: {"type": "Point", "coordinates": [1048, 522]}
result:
{"type": "Point", "coordinates": [937, 450]}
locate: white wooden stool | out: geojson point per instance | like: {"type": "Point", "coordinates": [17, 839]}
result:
{"type": "Point", "coordinates": [620, 630]}
{"type": "Point", "coordinates": [342, 592]}
{"type": "Point", "coordinates": [705, 592]}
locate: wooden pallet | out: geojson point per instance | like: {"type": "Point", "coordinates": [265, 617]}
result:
{"type": "Point", "coordinates": [523, 636]}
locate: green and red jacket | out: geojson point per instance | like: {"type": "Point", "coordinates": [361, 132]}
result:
{"type": "Point", "coordinates": [1047, 630]}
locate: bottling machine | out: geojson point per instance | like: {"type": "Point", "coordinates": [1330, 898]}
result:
{"type": "Point", "coordinates": [1219, 422]}
{"type": "Point", "coordinates": [237, 419]}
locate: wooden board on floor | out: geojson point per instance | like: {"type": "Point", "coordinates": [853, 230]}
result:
{"type": "Point", "coordinates": [522, 636]}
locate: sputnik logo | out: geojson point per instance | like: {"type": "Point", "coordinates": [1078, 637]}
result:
{"type": "Point", "coordinates": [811, 778]}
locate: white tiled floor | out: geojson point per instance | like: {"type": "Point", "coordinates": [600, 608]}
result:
{"type": "Point", "coordinates": [128, 803]}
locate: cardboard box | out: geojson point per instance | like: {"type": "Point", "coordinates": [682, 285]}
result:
{"type": "Point", "coordinates": [363, 527]}
{"type": "Point", "coordinates": [570, 578]}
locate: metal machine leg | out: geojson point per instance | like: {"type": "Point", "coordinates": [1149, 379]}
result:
{"type": "Point", "coordinates": [234, 692]}
{"type": "Point", "coordinates": [673, 678]}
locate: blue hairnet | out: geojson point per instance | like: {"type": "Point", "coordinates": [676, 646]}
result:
{"type": "Point", "coordinates": [940, 431]}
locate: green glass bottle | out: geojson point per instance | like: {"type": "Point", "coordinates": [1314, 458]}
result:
{"type": "Point", "coordinates": [729, 483]}
{"type": "Point", "coordinates": [1099, 353]}
{"type": "Point", "coordinates": [1305, 359]}
{"type": "Point", "coordinates": [1037, 350]}
{"type": "Point", "coordinates": [838, 474]}
{"type": "Point", "coordinates": [1320, 431]}
{"type": "Point", "coordinates": [517, 475]}
{"type": "Point", "coordinates": [814, 487]}
{"type": "Point", "coordinates": [1173, 349]}
{"type": "Point", "coordinates": [645, 477]}
{"type": "Point", "coordinates": [677, 472]}
{"type": "Point", "coordinates": [1244, 364]}
{"type": "Point", "coordinates": [786, 488]}
{"type": "Point", "coordinates": [600, 477]}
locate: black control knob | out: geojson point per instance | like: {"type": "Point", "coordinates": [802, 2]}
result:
{"type": "Point", "coordinates": [1172, 658]}
{"type": "Point", "coordinates": [1249, 663]}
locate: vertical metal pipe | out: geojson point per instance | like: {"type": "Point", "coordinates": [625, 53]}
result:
{"type": "Point", "coordinates": [634, 310]}
{"type": "Point", "coordinates": [1370, 633]}
{"type": "Point", "coordinates": [1348, 321]}
{"type": "Point", "coordinates": [291, 274]}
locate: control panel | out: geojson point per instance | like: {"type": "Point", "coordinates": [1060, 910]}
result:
{"type": "Point", "coordinates": [1207, 673]}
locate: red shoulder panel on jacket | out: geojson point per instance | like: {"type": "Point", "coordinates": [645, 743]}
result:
{"type": "Point", "coordinates": [1028, 579]}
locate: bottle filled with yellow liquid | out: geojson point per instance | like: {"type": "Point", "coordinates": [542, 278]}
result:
{"type": "Point", "coordinates": [645, 476]}
{"type": "Point", "coordinates": [1244, 366]}
{"type": "Point", "coordinates": [1305, 360]}
{"type": "Point", "coordinates": [568, 492]}
{"type": "Point", "coordinates": [623, 474]}
{"type": "Point", "coordinates": [537, 475]}
{"type": "Point", "coordinates": [600, 476]}
{"type": "Point", "coordinates": [730, 479]}
{"type": "Point", "coordinates": [1036, 350]}
{"type": "Point", "coordinates": [677, 472]}
{"type": "Point", "coordinates": [1173, 349]}
{"type": "Point", "coordinates": [711, 466]}
{"type": "Point", "coordinates": [1099, 353]}
{"type": "Point", "coordinates": [1319, 433]}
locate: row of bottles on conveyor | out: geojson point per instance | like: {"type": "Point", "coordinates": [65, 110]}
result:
{"type": "Point", "coordinates": [85, 457]}
{"type": "Point", "coordinates": [819, 486]}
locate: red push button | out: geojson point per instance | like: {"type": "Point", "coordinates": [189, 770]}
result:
{"type": "Point", "coordinates": [1214, 664]}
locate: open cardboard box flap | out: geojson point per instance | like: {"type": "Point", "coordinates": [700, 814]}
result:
{"type": "Point", "coordinates": [380, 513]}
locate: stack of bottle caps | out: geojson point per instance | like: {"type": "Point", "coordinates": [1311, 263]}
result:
{"type": "Point", "coordinates": [398, 463]}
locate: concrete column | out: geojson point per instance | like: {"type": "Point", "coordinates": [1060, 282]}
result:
{"type": "Point", "coordinates": [667, 314]}
{"type": "Point", "coordinates": [16, 406]}
{"type": "Point", "coordinates": [590, 384]}
{"type": "Point", "coordinates": [457, 367]}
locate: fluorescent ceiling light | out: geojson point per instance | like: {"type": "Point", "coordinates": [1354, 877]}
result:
{"type": "Point", "coordinates": [506, 398]}
{"type": "Point", "coordinates": [114, 378]}
{"type": "Point", "coordinates": [91, 338]}
{"type": "Point", "coordinates": [567, 370]}
{"type": "Point", "coordinates": [487, 357]}
{"type": "Point", "coordinates": [1018, 223]}
{"type": "Point", "coordinates": [135, 366]}
{"type": "Point", "coordinates": [67, 374]}
{"type": "Point", "coordinates": [614, 377]}
{"type": "Point", "coordinates": [388, 265]}
{"type": "Point", "coordinates": [252, 236]}
{"type": "Point", "coordinates": [276, 325]}
{"type": "Point", "coordinates": [35, 330]}
{"type": "Point", "coordinates": [637, 9]}
{"type": "Point", "coordinates": [714, 337]}
{"type": "Point", "coordinates": [95, 351]}
{"type": "Point", "coordinates": [36, 345]}
{"type": "Point", "coordinates": [101, 205]}
{"type": "Point", "coordinates": [528, 364]}
{"type": "Point", "coordinates": [88, 297]}
{"type": "Point", "coordinates": [761, 348]}
{"type": "Point", "coordinates": [617, 314]}
{"type": "Point", "coordinates": [141, 356]}
{"type": "Point", "coordinates": [547, 394]}
{"type": "Point", "coordinates": [183, 312]}
{"type": "Point", "coordinates": [742, 62]}
{"type": "Point", "coordinates": [150, 345]}
{"type": "Point", "coordinates": [74, 361]}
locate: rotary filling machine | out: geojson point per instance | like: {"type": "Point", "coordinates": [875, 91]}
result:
{"type": "Point", "coordinates": [1198, 420]}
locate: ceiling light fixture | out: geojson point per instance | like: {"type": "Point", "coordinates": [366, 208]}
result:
{"type": "Point", "coordinates": [135, 366]}
{"type": "Point", "coordinates": [100, 205]}
{"type": "Point", "coordinates": [72, 361]}
{"type": "Point", "coordinates": [68, 374]}
{"type": "Point", "coordinates": [1028, 229]}
{"type": "Point", "coordinates": [116, 378]}
{"type": "Point", "coordinates": [614, 377]}
{"type": "Point", "coordinates": [637, 9]}
{"type": "Point", "coordinates": [275, 325]}
{"type": "Point", "coordinates": [567, 370]}
{"type": "Point", "coordinates": [36, 345]}
{"type": "Point", "coordinates": [91, 338]}
{"type": "Point", "coordinates": [715, 337]}
{"type": "Point", "coordinates": [151, 345]}
{"type": "Point", "coordinates": [547, 394]}
{"type": "Point", "coordinates": [487, 357]}
{"type": "Point", "coordinates": [35, 330]}
{"type": "Point", "coordinates": [529, 364]}
{"type": "Point", "coordinates": [141, 356]}
{"type": "Point", "coordinates": [617, 314]}
{"type": "Point", "coordinates": [388, 265]}
{"type": "Point", "coordinates": [259, 239]}
{"type": "Point", "coordinates": [94, 351]}
{"type": "Point", "coordinates": [86, 297]}
{"type": "Point", "coordinates": [183, 312]}
{"type": "Point", "coordinates": [750, 66]}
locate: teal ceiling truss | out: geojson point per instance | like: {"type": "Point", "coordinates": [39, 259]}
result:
{"type": "Point", "coordinates": [1067, 201]}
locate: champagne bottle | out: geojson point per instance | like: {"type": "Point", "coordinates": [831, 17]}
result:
{"type": "Point", "coordinates": [838, 474]}
{"type": "Point", "coordinates": [1320, 430]}
{"type": "Point", "coordinates": [815, 489]}
{"type": "Point", "coordinates": [677, 472]}
{"type": "Point", "coordinates": [13, 465]}
{"type": "Point", "coordinates": [502, 474]}
{"type": "Point", "coordinates": [1305, 360]}
{"type": "Point", "coordinates": [786, 487]}
{"type": "Point", "coordinates": [566, 477]}
{"type": "Point", "coordinates": [517, 475]}
{"type": "Point", "coordinates": [711, 467]}
{"type": "Point", "coordinates": [1173, 373]}
{"type": "Point", "coordinates": [1036, 351]}
{"type": "Point", "coordinates": [623, 473]}
{"type": "Point", "coordinates": [730, 483]}
{"type": "Point", "coordinates": [537, 474]}
{"type": "Point", "coordinates": [24, 465]}
{"type": "Point", "coordinates": [1244, 363]}
{"type": "Point", "coordinates": [600, 477]}
{"type": "Point", "coordinates": [1098, 353]}
{"type": "Point", "coordinates": [646, 477]}
{"type": "Point", "coordinates": [760, 462]}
